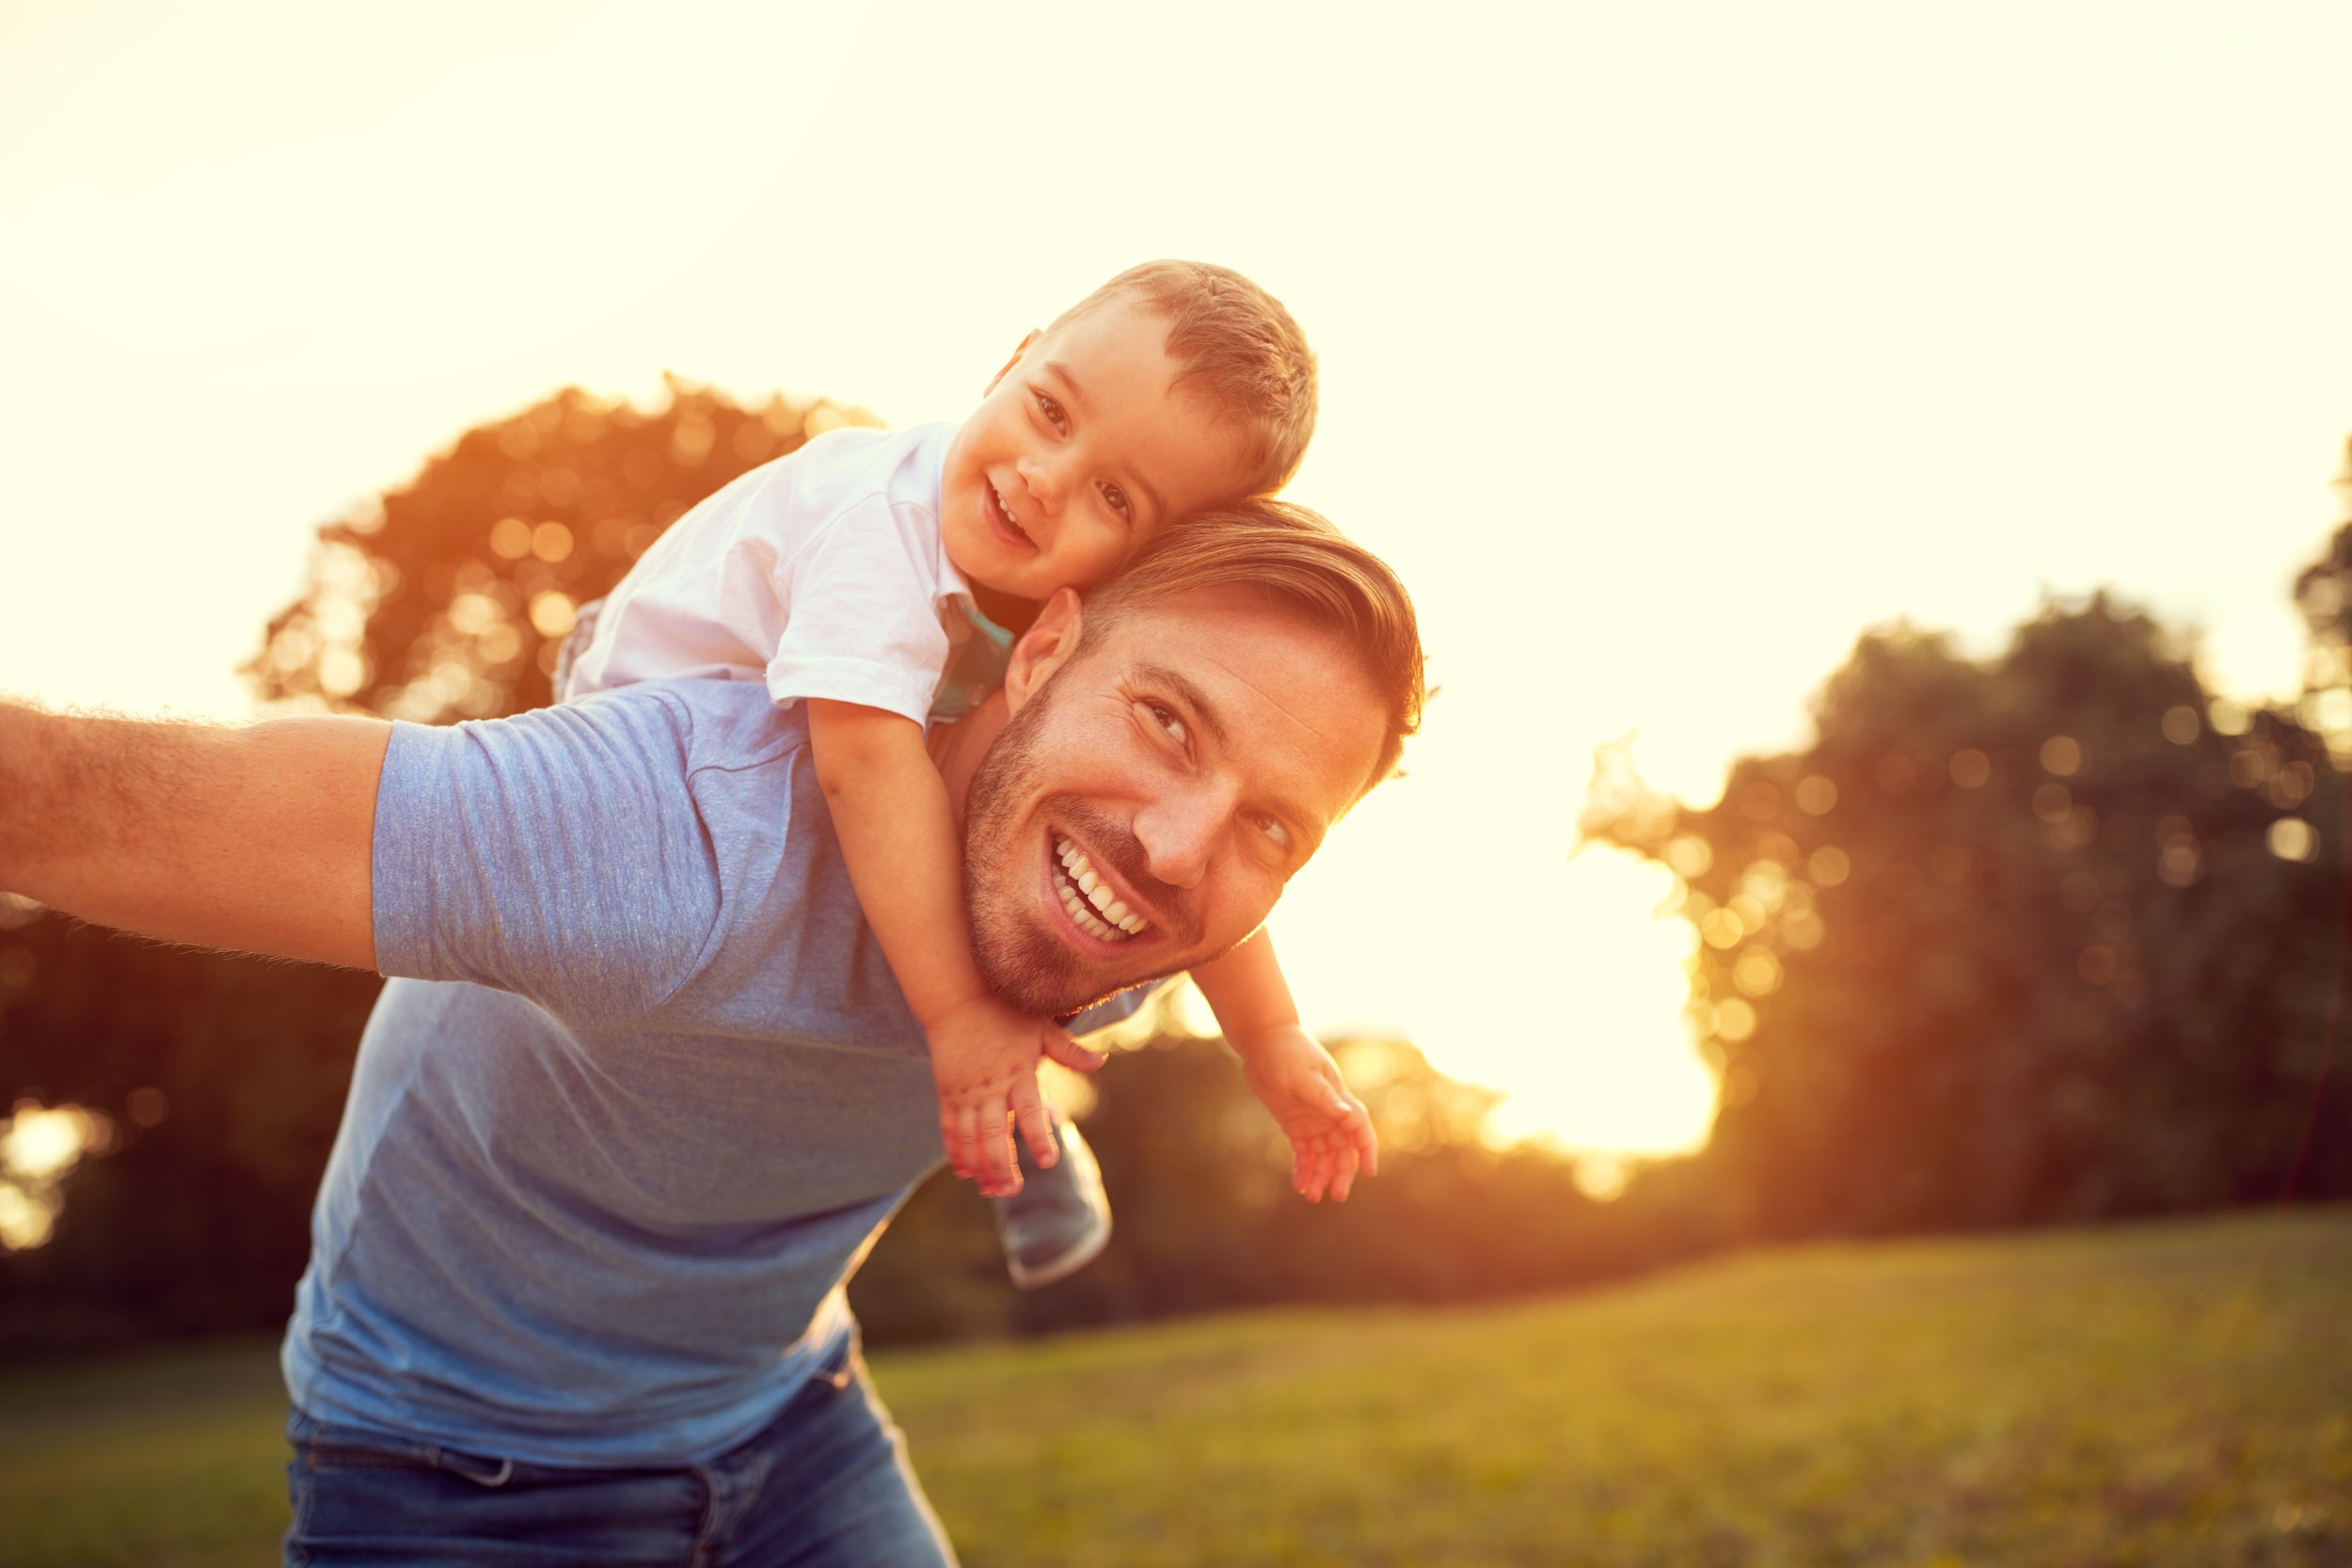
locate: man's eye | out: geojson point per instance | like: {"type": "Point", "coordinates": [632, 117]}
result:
{"type": "Point", "coordinates": [1052, 413]}
{"type": "Point", "coordinates": [1171, 723]}
{"type": "Point", "coordinates": [1275, 831]}
{"type": "Point", "coordinates": [1119, 502]}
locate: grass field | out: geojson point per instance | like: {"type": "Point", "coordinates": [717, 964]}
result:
{"type": "Point", "coordinates": [2164, 1394]}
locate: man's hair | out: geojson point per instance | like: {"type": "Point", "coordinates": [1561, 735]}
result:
{"type": "Point", "coordinates": [1296, 559]}
{"type": "Point", "coordinates": [1237, 344]}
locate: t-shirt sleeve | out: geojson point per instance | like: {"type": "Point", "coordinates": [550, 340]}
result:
{"type": "Point", "coordinates": [557, 854]}
{"type": "Point", "coordinates": [862, 618]}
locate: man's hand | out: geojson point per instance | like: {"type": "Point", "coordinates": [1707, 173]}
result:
{"type": "Point", "coordinates": [1330, 1132]}
{"type": "Point", "coordinates": [984, 1058]}
{"type": "Point", "coordinates": [257, 838]}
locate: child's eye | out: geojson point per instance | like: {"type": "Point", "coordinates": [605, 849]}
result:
{"type": "Point", "coordinates": [1116, 499]}
{"type": "Point", "coordinates": [1052, 413]}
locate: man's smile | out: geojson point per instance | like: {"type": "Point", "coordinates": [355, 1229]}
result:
{"type": "Point", "coordinates": [1087, 895]}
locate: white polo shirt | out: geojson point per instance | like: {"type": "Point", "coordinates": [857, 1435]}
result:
{"type": "Point", "coordinates": [822, 574]}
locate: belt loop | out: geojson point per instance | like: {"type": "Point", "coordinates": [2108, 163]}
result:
{"type": "Point", "coordinates": [468, 1466]}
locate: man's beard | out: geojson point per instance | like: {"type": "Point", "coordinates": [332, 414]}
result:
{"type": "Point", "coordinates": [1018, 959]}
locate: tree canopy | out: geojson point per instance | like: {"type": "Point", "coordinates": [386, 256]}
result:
{"type": "Point", "coordinates": [2051, 936]}
{"type": "Point", "coordinates": [447, 597]}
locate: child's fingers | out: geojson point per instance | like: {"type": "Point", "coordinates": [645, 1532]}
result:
{"type": "Point", "coordinates": [1344, 1181]}
{"type": "Point", "coordinates": [1069, 1053]}
{"type": "Point", "coordinates": [962, 1141]}
{"type": "Point", "coordinates": [1364, 1139]}
{"type": "Point", "coordinates": [1035, 1121]}
{"type": "Point", "coordinates": [1003, 1175]}
{"type": "Point", "coordinates": [1308, 1157]}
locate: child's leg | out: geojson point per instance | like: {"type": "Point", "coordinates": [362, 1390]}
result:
{"type": "Point", "coordinates": [1061, 1219]}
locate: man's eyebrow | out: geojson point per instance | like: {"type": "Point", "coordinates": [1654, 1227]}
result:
{"type": "Point", "coordinates": [1186, 692]}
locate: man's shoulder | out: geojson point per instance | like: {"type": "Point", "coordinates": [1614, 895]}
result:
{"type": "Point", "coordinates": [706, 723]}
{"type": "Point", "coordinates": [646, 730]}
{"type": "Point", "coordinates": [597, 856]}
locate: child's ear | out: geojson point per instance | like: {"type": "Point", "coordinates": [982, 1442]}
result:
{"type": "Point", "coordinates": [1045, 648]}
{"type": "Point", "coordinates": [1017, 353]}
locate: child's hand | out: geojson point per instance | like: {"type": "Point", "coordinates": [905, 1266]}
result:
{"type": "Point", "coordinates": [984, 1060]}
{"type": "Point", "coordinates": [1329, 1130]}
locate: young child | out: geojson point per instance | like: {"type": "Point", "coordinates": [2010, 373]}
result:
{"type": "Point", "coordinates": [850, 575]}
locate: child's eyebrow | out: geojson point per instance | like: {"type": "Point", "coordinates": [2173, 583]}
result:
{"type": "Point", "coordinates": [1070, 384]}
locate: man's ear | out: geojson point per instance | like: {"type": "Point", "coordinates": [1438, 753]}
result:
{"type": "Point", "coordinates": [1045, 648]}
{"type": "Point", "coordinates": [1017, 353]}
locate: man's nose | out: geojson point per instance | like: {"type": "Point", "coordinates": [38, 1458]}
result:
{"type": "Point", "coordinates": [1180, 836]}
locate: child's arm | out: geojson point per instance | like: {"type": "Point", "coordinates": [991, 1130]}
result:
{"type": "Point", "coordinates": [898, 834]}
{"type": "Point", "coordinates": [1329, 1130]}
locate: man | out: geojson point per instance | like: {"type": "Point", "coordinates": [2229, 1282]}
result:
{"type": "Point", "coordinates": [642, 1093]}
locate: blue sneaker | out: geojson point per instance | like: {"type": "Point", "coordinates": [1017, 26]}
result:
{"type": "Point", "coordinates": [1061, 1219]}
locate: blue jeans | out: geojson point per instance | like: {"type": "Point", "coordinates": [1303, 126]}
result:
{"type": "Point", "coordinates": [826, 1485]}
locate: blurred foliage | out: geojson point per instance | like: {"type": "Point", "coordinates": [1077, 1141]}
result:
{"type": "Point", "coordinates": [2048, 936]}
{"type": "Point", "coordinates": [2323, 592]}
{"type": "Point", "coordinates": [1205, 1218]}
{"type": "Point", "coordinates": [219, 1078]}
{"type": "Point", "coordinates": [448, 597]}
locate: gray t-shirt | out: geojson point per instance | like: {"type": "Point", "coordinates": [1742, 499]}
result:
{"type": "Point", "coordinates": [643, 1097]}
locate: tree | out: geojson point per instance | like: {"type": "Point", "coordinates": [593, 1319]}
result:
{"type": "Point", "coordinates": [2044, 937]}
{"type": "Point", "coordinates": [2323, 592]}
{"type": "Point", "coordinates": [448, 597]}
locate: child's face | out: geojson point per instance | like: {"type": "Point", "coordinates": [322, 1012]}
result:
{"type": "Point", "coordinates": [1083, 448]}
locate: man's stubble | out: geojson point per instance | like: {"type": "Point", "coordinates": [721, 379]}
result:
{"type": "Point", "coordinates": [1018, 959]}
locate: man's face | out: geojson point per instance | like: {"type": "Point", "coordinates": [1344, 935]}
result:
{"type": "Point", "coordinates": [1083, 450]}
{"type": "Point", "coordinates": [1142, 809]}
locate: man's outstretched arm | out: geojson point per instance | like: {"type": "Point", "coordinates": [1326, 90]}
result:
{"type": "Point", "coordinates": [255, 837]}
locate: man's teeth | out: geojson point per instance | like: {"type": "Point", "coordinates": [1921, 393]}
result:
{"type": "Point", "coordinates": [1081, 886]}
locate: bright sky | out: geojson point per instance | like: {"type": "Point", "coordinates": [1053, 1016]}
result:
{"type": "Point", "coordinates": [1664, 348]}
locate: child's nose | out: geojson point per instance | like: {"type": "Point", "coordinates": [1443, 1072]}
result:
{"type": "Point", "coordinates": [1043, 479]}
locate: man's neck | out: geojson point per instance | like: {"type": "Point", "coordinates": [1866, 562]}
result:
{"type": "Point", "coordinates": [957, 749]}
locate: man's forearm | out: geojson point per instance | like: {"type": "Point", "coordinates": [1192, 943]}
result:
{"type": "Point", "coordinates": [255, 837]}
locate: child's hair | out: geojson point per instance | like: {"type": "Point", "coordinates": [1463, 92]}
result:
{"type": "Point", "coordinates": [1296, 558]}
{"type": "Point", "coordinates": [1240, 346]}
